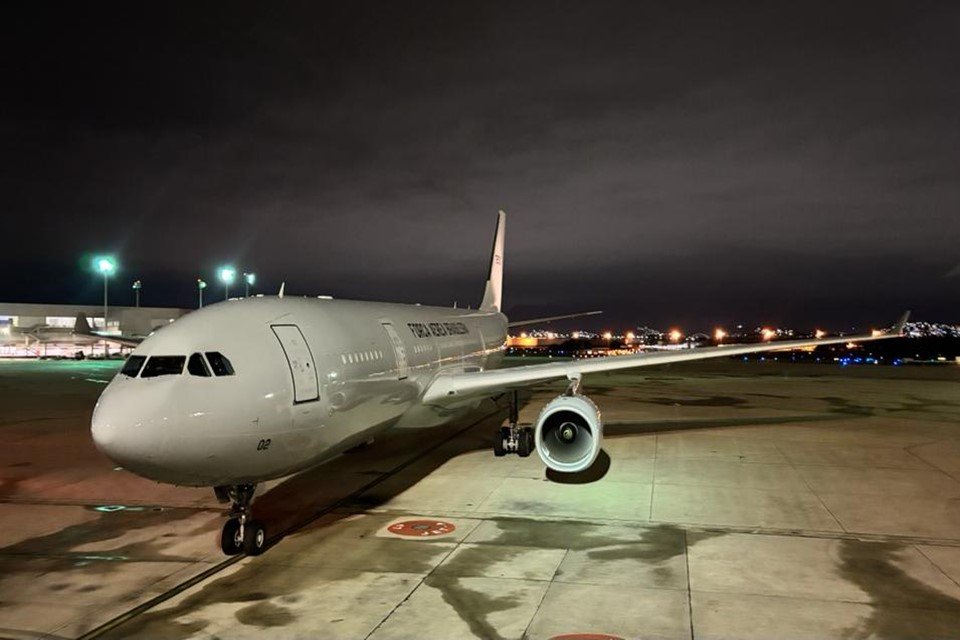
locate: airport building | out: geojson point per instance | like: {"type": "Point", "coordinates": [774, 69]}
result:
{"type": "Point", "coordinates": [47, 330]}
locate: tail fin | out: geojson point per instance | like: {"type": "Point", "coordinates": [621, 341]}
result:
{"type": "Point", "coordinates": [81, 325]}
{"type": "Point", "coordinates": [493, 293]}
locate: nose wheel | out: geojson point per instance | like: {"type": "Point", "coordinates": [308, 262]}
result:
{"type": "Point", "coordinates": [241, 533]}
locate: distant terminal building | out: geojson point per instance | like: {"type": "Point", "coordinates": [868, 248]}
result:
{"type": "Point", "coordinates": [38, 330]}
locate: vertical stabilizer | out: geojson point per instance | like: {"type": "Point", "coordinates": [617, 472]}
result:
{"type": "Point", "coordinates": [493, 294]}
{"type": "Point", "coordinates": [81, 325]}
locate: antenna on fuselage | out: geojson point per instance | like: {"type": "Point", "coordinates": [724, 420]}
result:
{"type": "Point", "coordinates": [282, 285]}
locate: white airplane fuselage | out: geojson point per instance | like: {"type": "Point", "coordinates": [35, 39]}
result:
{"type": "Point", "coordinates": [311, 378]}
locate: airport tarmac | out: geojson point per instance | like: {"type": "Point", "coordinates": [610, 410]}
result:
{"type": "Point", "coordinates": [735, 500]}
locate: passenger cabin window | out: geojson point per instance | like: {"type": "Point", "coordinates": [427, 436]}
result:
{"type": "Point", "coordinates": [163, 366]}
{"type": "Point", "coordinates": [133, 365]}
{"type": "Point", "coordinates": [219, 363]}
{"type": "Point", "coordinates": [197, 367]}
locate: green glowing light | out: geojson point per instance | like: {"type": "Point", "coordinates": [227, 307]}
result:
{"type": "Point", "coordinates": [105, 265]}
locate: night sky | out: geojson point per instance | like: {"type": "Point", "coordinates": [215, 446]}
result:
{"type": "Point", "coordinates": [791, 163]}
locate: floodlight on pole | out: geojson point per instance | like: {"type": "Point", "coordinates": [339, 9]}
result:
{"type": "Point", "coordinates": [201, 285]}
{"type": "Point", "coordinates": [249, 279]}
{"type": "Point", "coordinates": [137, 285]}
{"type": "Point", "coordinates": [107, 266]}
{"type": "Point", "coordinates": [227, 276]}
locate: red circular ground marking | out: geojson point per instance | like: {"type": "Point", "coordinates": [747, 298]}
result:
{"type": "Point", "coordinates": [421, 528]}
{"type": "Point", "coordinates": [586, 636]}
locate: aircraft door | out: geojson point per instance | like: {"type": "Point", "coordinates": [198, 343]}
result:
{"type": "Point", "coordinates": [399, 349]}
{"type": "Point", "coordinates": [303, 369]}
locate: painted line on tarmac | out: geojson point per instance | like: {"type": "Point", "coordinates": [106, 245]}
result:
{"type": "Point", "coordinates": [142, 608]}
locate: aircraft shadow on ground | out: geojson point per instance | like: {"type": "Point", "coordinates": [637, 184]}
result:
{"type": "Point", "coordinates": [303, 498]}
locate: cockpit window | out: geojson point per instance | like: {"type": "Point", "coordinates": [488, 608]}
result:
{"type": "Point", "coordinates": [197, 367]}
{"type": "Point", "coordinates": [219, 363]}
{"type": "Point", "coordinates": [163, 366]}
{"type": "Point", "coordinates": [132, 366]}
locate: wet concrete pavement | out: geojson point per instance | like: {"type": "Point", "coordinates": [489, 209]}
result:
{"type": "Point", "coordinates": [737, 501]}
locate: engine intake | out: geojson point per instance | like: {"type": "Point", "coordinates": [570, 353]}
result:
{"type": "Point", "coordinates": [568, 433]}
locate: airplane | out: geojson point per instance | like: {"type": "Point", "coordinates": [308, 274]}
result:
{"type": "Point", "coordinates": [253, 389]}
{"type": "Point", "coordinates": [81, 335]}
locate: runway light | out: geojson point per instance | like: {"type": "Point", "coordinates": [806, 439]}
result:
{"type": "Point", "coordinates": [719, 334]}
{"type": "Point", "coordinates": [675, 335]}
{"type": "Point", "coordinates": [819, 333]}
{"type": "Point", "coordinates": [768, 334]}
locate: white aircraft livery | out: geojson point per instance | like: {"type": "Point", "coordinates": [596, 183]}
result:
{"type": "Point", "coordinates": [253, 389]}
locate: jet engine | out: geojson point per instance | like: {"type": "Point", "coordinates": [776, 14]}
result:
{"type": "Point", "coordinates": [568, 433]}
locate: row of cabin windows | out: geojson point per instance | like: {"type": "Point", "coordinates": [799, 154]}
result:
{"type": "Point", "coordinates": [197, 365]}
{"type": "Point", "coordinates": [361, 356]}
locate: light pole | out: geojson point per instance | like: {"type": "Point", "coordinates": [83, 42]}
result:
{"type": "Point", "coordinates": [106, 266]}
{"type": "Point", "coordinates": [136, 290]}
{"type": "Point", "coordinates": [249, 279]}
{"type": "Point", "coordinates": [227, 276]}
{"type": "Point", "coordinates": [201, 285]}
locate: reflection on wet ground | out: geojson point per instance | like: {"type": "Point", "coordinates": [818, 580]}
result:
{"type": "Point", "coordinates": [724, 505]}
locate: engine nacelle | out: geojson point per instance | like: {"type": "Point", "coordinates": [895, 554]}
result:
{"type": "Point", "coordinates": [568, 434]}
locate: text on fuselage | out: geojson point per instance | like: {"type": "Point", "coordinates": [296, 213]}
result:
{"type": "Point", "coordinates": [438, 329]}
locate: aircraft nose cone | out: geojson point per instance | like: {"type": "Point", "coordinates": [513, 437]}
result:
{"type": "Point", "coordinates": [109, 425]}
{"type": "Point", "coordinates": [121, 428]}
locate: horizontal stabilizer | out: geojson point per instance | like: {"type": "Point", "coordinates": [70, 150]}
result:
{"type": "Point", "coordinates": [524, 323]}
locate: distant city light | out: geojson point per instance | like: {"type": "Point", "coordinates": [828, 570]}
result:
{"type": "Point", "coordinates": [719, 334]}
{"type": "Point", "coordinates": [768, 334]}
{"type": "Point", "coordinates": [819, 333]}
{"type": "Point", "coordinates": [675, 335]}
{"type": "Point", "coordinates": [876, 333]}
{"type": "Point", "coordinates": [631, 335]}
{"type": "Point", "coordinates": [607, 335]}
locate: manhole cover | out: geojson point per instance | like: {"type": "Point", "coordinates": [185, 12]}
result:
{"type": "Point", "coordinates": [586, 636]}
{"type": "Point", "coordinates": [421, 528]}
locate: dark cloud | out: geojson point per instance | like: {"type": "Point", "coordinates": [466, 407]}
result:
{"type": "Point", "coordinates": [681, 162]}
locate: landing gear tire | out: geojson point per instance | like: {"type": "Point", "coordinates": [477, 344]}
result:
{"type": "Point", "coordinates": [241, 533]}
{"type": "Point", "coordinates": [525, 443]}
{"type": "Point", "coordinates": [231, 541]}
{"type": "Point", "coordinates": [254, 538]}
{"type": "Point", "coordinates": [498, 449]}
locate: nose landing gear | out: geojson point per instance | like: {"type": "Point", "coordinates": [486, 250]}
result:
{"type": "Point", "coordinates": [241, 534]}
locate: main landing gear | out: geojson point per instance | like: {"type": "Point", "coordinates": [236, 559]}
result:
{"type": "Point", "coordinates": [512, 438]}
{"type": "Point", "coordinates": [240, 532]}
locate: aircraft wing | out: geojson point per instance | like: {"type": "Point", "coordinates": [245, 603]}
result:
{"type": "Point", "coordinates": [456, 386]}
